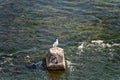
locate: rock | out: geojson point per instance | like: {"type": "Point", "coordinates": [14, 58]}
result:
{"type": "Point", "coordinates": [38, 65]}
{"type": "Point", "coordinates": [55, 59]}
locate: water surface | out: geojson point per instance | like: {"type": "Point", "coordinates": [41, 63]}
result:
{"type": "Point", "coordinates": [29, 28]}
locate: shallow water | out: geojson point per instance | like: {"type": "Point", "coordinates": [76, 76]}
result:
{"type": "Point", "coordinates": [29, 28]}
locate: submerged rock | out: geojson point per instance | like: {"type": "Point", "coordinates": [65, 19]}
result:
{"type": "Point", "coordinates": [38, 65]}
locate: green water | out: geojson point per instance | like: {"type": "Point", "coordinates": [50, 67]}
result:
{"type": "Point", "coordinates": [29, 28]}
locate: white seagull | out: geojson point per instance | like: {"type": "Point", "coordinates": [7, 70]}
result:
{"type": "Point", "coordinates": [56, 43]}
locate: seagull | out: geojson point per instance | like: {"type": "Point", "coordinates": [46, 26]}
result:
{"type": "Point", "coordinates": [55, 43]}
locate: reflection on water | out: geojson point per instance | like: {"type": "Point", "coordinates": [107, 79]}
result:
{"type": "Point", "coordinates": [88, 32]}
{"type": "Point", "coordinates": [55, 75]}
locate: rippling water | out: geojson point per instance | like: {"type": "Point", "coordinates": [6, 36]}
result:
{"type": "Point", "coordinates": [29, 28]}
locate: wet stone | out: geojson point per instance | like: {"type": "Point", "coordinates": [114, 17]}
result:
{"type": "Point", "coordinates": [55, 59]}
{"type": "Point", "coordinates": [38, 65]}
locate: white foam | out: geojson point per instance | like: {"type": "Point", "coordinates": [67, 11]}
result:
{"type": "Point", "coordinates": [97, 41]}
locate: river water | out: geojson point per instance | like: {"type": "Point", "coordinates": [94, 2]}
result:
{"type": "Point", "coordinates": [88, 31]}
